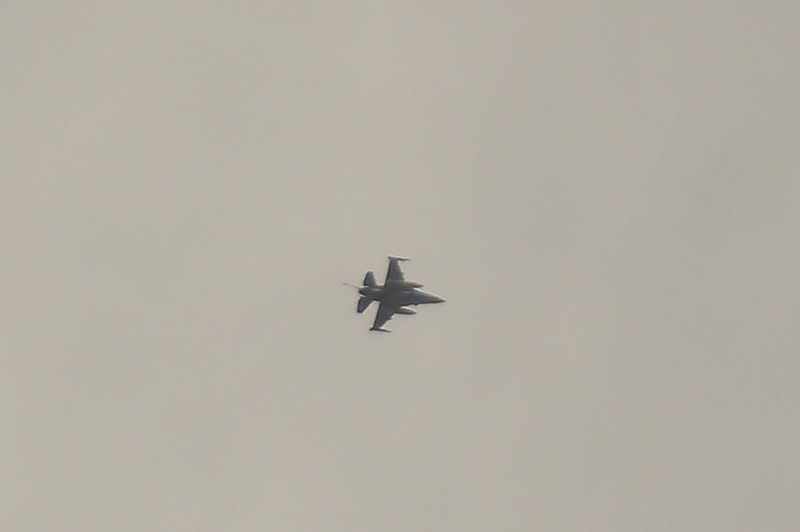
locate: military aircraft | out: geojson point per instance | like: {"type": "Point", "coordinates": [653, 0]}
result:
{"type": "Point", "coordinates": [395, 295]}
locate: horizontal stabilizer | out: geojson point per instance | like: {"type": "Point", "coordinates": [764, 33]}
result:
{"type": "Point", "coordinates": [363, 303]}
{"type": "Point", "coordinates": [369, 279]}
{"type": "Point", "coordinates": [378, 329]}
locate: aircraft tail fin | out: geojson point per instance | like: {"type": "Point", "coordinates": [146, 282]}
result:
{"type": "Point", "coordinates": [369, 279]}
{"type": "Point", "coordinates": [363, 303]}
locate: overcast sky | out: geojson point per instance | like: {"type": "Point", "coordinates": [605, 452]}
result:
{"type": "Point", "coordinates": [605, 193]}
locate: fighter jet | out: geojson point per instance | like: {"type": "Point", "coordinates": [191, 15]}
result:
{"type": "Point", "coordinates": [395, 295]}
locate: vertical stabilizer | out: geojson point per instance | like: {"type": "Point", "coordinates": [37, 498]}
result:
{"type": "Point", "coordinates": [369, 279]}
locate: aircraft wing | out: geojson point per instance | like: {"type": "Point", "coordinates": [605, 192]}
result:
{"type": "Point", "coordinates": [394, 273]}
{"type": "Point", "coordinates": [384, 314]}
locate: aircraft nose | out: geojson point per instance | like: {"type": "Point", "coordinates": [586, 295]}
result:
{"type": "Point", "coordinates": [437, 299]}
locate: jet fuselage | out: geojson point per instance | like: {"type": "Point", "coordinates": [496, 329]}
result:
{"type": "Point", "coordinates": [399, 296]}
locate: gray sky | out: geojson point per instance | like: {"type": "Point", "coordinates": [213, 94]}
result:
{"type": "Point", "coordinates": [606, 193]}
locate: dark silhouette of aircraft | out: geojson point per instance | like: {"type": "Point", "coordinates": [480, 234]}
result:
{"type": "Point", "coordinates": [395, 295]}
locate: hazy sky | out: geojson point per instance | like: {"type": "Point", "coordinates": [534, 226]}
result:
{"type": "Point", "coordinates": [606, 193]}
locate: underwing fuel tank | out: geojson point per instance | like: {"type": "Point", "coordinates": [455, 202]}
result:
{"type": "Point", "coordinates": [405, 310]}
{"type": "Point", "coordinates": [407, 284]}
